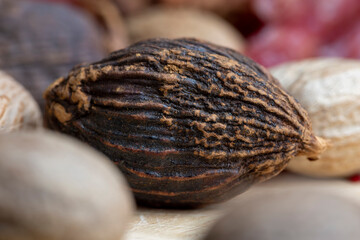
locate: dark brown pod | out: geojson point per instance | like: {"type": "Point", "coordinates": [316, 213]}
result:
{"type": "Point", "coordinates": [189, 123]}
{"type": "Point", "coordinates": [41, 41]}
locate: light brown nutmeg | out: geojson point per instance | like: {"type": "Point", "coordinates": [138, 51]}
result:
{"type": "Point", "coordinates": [222, 7]}
{"type": "Point", "coordinates": [18, 109]}
{"type": "Point", "coordinates": [329, 89]}
{"type": "Point", "coordinates": [54, 187]}
{"type": "Point", "coordinates": [167, 22]}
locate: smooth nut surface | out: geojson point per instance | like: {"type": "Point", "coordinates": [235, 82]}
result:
{"type": "Point", "coordinates": [290, 214]}
{"type": "Point", "coordinates": [18, 109]}
{"type": "Point", "coordinates": [53, 187]}
{"type": "Point", "coordinates": [329, 89]}
{"type": "Point", "coordinates": [188, 122]}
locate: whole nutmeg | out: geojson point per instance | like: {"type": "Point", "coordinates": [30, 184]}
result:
{"type": "Point", "coordinates": [184, 22]}
{"type": "Point", "coordinates": [329, 89]}
{"type": "Point", "coordinates": [188, 122]}
{"type": "Point", "coordinates": [54, 187]}
{"type": "Point", "coordinates": [18, 109]}
{"type": "Point", "coordinates": [41, 41]}
{"type": "Point", "coordinates": [290, 214]}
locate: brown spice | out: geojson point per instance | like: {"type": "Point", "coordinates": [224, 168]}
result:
{"type": "Point", "coordinates": [188, 122]}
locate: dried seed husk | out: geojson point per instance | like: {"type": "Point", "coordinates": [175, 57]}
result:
{"type": "Point", "coordinates": [329, 89]}
{"type": "Point", "coordinates": [41, 41]}
{"type": "Point", "coordinates": [188, 122]}
{"type": "Point", "coordinates": [18, 109]}
{"type": "Point", "coordinates": [54, 187]}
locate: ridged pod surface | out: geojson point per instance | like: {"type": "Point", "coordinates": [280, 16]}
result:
{"type": "Point", "coordinates": [188, 122]}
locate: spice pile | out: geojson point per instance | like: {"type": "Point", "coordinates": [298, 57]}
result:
{"type": "Point", "coordinates": [169, 103]}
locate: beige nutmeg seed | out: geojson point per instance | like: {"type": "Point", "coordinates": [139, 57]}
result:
{"type": "Point", "coordinates": [18, 109]}
{"type": "Point", "coordinates": [329, 89]}
{"type": "Point", "coordinates": [285, 213]}
{"type": "Point", "coordinates": [53, 187]}
{"type": "Point", "coordinates": [166, 22]}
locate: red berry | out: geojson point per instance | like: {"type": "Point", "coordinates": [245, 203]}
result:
{"type": "Point", "coordinates": [280, 11]}
{"type": "Point", "coordinates": [355, 178]}
{"type": "Point", "coordinates": [346, 45]}
{"type": "Point", "coordinates": [275, 44]}
{"type": "Point", "coordinates": [320, 17]}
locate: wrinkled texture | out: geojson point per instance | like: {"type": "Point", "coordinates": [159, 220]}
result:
{"type": "Point", "coordinates": [18, 109]}
{"type": "Point", "coordinates": [188, 122]}
{"type": "Point", "coordinates": [53, 187]}
{"type": "Point", "coordinates": [329, 89]}
{"type": "Point", "coordinates": [41, 41]}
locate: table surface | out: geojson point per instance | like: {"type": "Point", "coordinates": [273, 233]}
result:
{"type": "Point", "coordinates": [151, 224]}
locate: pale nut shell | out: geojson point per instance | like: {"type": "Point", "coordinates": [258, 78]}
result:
{"type": "Point", "coordinates": [283, 213]}
{"type": "Point", "coordinates": [165, 22]}
{"type": "Point", "coordinates": [54, 187]}
{"type": "Point", "coordinates": [329, 89]}
{"type": "Point", "coordinates": [18, 109]}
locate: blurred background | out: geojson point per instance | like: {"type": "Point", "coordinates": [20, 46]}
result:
{"type": "Point", "coordinates": [40, 40]}
{"type": "Point", "coordinates": [275, 30]}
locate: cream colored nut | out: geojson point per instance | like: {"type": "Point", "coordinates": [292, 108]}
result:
{"type": "Point", "coordinates": [18, 109]}
{"type": "Point", "coordinates": [290, 214]}
{"type": "Point", "coordinates": [162, 22]}
{"type": "Point", "coordinates": [54, 187]}
{"type": "Point", "coordinates": [329, 89]}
